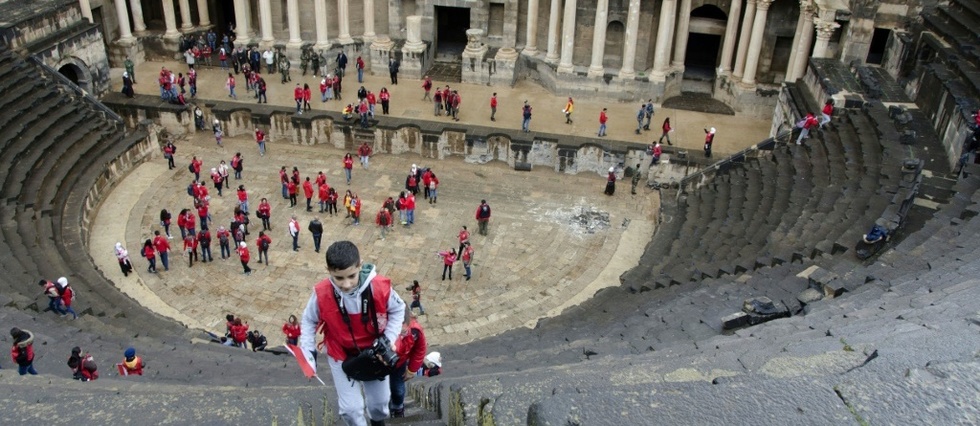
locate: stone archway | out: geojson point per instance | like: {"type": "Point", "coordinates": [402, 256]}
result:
{"type": "Point", "coordinates": [707, 27]}
{"type": "Point", "coordinates": [77, 72]}
{"type": "Point", "coordinates": [615, 38]}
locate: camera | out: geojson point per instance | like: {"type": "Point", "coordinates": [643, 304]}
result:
{"type": "Point", "coordinates": [382, 349]}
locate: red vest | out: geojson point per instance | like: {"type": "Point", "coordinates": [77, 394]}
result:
{"type": "Point", "coordinates": [337, 336]}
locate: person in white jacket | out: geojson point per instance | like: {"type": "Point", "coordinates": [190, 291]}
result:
{"type": "Point", "coordinates": [349, 327]}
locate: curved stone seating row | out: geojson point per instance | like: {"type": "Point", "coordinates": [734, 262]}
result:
{"type": "Point", "coordinates": [54, 153]}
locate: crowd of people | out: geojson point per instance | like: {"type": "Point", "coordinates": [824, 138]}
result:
{"type": "Point", "coordinates": [82, 365]}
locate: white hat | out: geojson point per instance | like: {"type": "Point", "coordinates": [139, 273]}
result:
{"type": "Point", "coordinates": [216, 121]}
{"type": "Point", "coordinates": [241, 244]}
{"type": "Point", "coordinates": [214, 169]}
{"type": "Point", "coordinates": [434, 358]}
{"type": "Point", "coordinates": [712, 130]}
{"type": "Point", "coordinates": [612, 169]}
{"type": "Point", "coordinates": [62, 281]}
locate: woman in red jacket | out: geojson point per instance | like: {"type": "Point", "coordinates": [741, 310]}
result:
{"type": "Point", "coordinates": [411, 348]}
{"type": "Point", "coordinates": [667, 129]}
{"type": "Point", "coordinates": [244, 256]}
{"type": "Point", "coordinates": [291, 330]}
{"type": "Point", "coordinates": [308, 193]}
{"type": "Point", "coordinates": [239, 332]}
{"type": "Point", "coordinates": [348, 166]}
{"type": "Point", "coordinates": [307, 94]}
{"type": "Point", "coordinates": [448, 258]}
{"type": "Point", "coordinates": [264, 212]}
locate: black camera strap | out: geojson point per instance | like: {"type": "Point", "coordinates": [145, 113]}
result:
{"type": "Point", "coordinates": [367, 309]}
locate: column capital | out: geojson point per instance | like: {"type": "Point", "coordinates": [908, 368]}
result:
{"type": "Point", "coordinates": [806, 6]}
{"type": "Point", "coordinates": [825, 29]}
{"type": "Point", "coordinates": [763, 4]}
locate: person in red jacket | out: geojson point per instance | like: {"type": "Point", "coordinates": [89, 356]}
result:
{"type": "Point", "coordinates": [483, 216]}
{"type": "Point", "coordinates": [163, 249]}
{"type": "Point", "coordinates": [150, 256]}
{"type": "Point", "coordinates": [410, 208]}
{"type": "Point", "coordinates": [348, 166]}
{"type": "Point", "coordinates": [291, 190]}
{"type": "Point", "coordinates": [666, 131]}
{"type": "Point", "coordinates": [217, 179]}
{"type": "Point", "coordinates": [308, 193]}
{"type": "Point", "coordinates": [372, 101]}
{"type": "Point", "coordinates": [383, 219]}
{"type": "Point", "coordinates": [239, 333]}
{"type": "Point", "coordinates": [132, 364]}
{"type": "Point", "coordinates": [259, 140]}
{"type": "Point", "coordinates": [385, 98]}
{"type": "Point", "coordinates": [83, 367]}
{"type": "Point", "coordinates": [242, 199]}
{"type": "Point", "coordinates": [464, 238]}
{"type": "Point", "coordinates": [182, 223]}
{"type": "Point", "coordinates": [332, 201]}
{"type": "Point", "coordinates": [432, 186]}
{"type": "Point", "coordinates": [191, 223]}
{"type": "Point", "coordinates": [323, 193]}
{"type": "Point", "coordinates": [298, 97]}
{"type": "Point", "coordinates": [190, 247]}
{"type": "Point", "coordinates": [244, 256]}
{"type": "Point", "coordinates": [307, 95]}
{"type": "Point", "coordinates": [426, 178]}
{"type": "Point", "coordinates": [224, 241]}
{"type": "Point", "coordinates": [353, 291]}
{"type": "Point", "coordinates": [602, 122]}
{"type": "Point", "coordinates": [264, 212]}
{"type": "Point", "coordinates": [263, 243]}
{"type": "Point", "coordinates": [204, 241]}
{"type": "Point", "coordinates": [321, 179]}
{"type": "Point", "coordinates": [291, 330]}
{"type": "Point", "coordinates": [466, 255]}
{"type": "Point", "coordinates": [493, 107]}
{"type": "Point", "coordinates": [611, 182]}
{"type": "Point", "coordinates": [809, 122]}
{"type": "Point", "coordinates": [364, 151]}
{"type": "Point", "coordinates": [448, 258]}
{"type": "Point", "coordinates": [196, 166]}
{"type": "Point", "coordinates": [22, 351]}
{"type": "Point", "coordinates": [827, 112]}
{"type": "Point", "coordinates": [411, 349]}
{"type": "Point", "coordinates": [203, 215]}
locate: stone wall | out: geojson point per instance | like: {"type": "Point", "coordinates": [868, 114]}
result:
{"type": "Point", "coordinates": [395, 136]}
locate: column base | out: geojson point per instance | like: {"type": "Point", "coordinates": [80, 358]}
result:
{"type": "Point", "coordinates": [565, 69]}
{"type": "Point", "coordinates": [596, 72]}
{"type": "Point", "coordinates": [529, 51]}
{"type": "Point", "coordinates": [186, 28]}
{"type": "Point", "coordinates": [322, 45]}
{"type": "Point", "coordinates": [369, 38]}
{"type": "Point", "coordinates": [552, 60]}
{"type": "Point", "coordinates": [174, 35]}
{"type": "Point", "coordinates": [347, 40]}
{"type": "Point", "coordinates": [627, 74]}
{"type": "Point", "coordinates": [294, 44]}
{"type": "Point", "coordinates": [746, 85]}
{"type": "Point", "coordinates": [658, 75]}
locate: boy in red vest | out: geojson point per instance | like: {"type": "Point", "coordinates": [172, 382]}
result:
{"type": "Point", "coordinates": [411, 353]}
{"type": "Point", "coordinates": [349, 327]}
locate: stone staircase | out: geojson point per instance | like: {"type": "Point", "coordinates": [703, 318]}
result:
{"type": "Point", "coordinates": [956, 26]}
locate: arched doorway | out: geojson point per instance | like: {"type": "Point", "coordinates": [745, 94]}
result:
{"type": "Point", "coordinates": [704, 42]}
{"type": "Point", "coordinates": [615, 37]}
{"type": "Point", "coordinates": [77, 75]}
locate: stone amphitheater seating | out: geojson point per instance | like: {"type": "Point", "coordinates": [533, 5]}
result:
{"type": "Point", "coordinates": [958, 24]}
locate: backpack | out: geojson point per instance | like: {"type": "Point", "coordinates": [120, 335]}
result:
{"type": "Point", "coordinates": [264, 244]}
{"type": "Point", "coordinates": [223, 237]}
{"type": "Point", "coordinates": [190, 168]}
{"type": "Point", "coordinates": [484, 211]}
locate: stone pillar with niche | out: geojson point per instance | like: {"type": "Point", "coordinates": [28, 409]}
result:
{"type": "Point", "coordinates": [474, 68]}
{"type": "Point", "coordinates": [414, 52]}
{"type": "Point", "coordinates": [504, 69]}
{"type": "Point", "coordinates": [382, 49]}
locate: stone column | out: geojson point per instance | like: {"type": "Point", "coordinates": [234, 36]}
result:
{"type": "Point", "coordinates": [599, 39]}
{"type": "Point", "coordinates": [169, 19]}
{"type": "Point", "coordinates": [531, 47]}
{"type": "Point", "coordinates": [242, 14]}
{"type": "Point", "coordinates": [825, 29]}
{"type": "Point", "coordinates": [265, 23]}
{"type": "Point", "coordinates": [343, 21]}
{"type": "Point", "coordinates": [797, 42]}
{"type": "Point", "coordinates": [135, 7]}
{"type": "Point", "coordinates": [565, 66]}
{"type": "Point", "coordinates": [755, 46]}
{"type": "Point", "coordinates": [743, 39]}
{"type": "Point", "coordinates": [552, 56]}
{"type": "Point", "coordinates": [202, 13]}
{"type": "Point", "coordinates": [86, 8]}
{"type": "Point", "coordinates": [292, 12]}
{"type": "Point", "coordinates": [680, 37]}
{"type": "Point", "coordinates": [731, 30]}
{"type": "Point", "coordinates": [123, 17]}
{"type": "Point", "coordinates": [414, 49]}
{"type": "Point", "coordinates": [369, 21]}
{"type": "Point", "coordinates": [802, 48]}
{"type": "Point", "coordinates": [662, 53]}
{"type": "Point", "coordinates": [185, 16]}
{"type": "Point", "coordinates": [629, 50]}
{"type": "Point", "coordinates": [320, 12]}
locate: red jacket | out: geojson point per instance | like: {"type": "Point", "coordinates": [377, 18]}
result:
{"type": "Point", "coordinates": [411, 349]}
{"type": "Point", "coordinates": [291, 331]}
{"type": "Point", "coordinates": [467, 254]}
{"type": "Point", "coordinates": [410, 202]}
{"type": "Point", "coordinates": [308, 189]}
{"type": "Point", "coordinates": [371, 98]}
{"type": "Point", "coordinates": [323, 192]}
{"type": "Point", "coordinates": [204, 238]}
{"type": "Point", "coordinates": [320, 179]}
{"type": "Point", "coordinates": [666, 126]}
{"type": "Point", "coordinates": [493, 102]}
{"type": "Point", "coordinates": [242, 195]}
{"type": "Point", "coordinates": [243, 253]}
{"type": "Point", "coordinates": [448, 258]}
{"type": "Point", "coordinates": [67, 296]}
{"type": "Point", "coordinates": [190, 243]}
{"type": "Point", "coordinates": [161, 244]}
{"type": "Point", "coordinates": [602, 117]}
{"type": "Point", "coordinates": [259, 137]}
{"type": "Point", "coordinates": [828, 109]}
{"type": "Point", "coordinates": [148, 252]}
{"type": "Point", "coordinates": [16, 351]}
{"type": "Point", "coordinates": [291, 188]}
{"type": "Point", "coordinates": [197, 165]}
{"type": "Point", "coordinates": [464, 236]}
{"type": "Point", "coordinates": [239, 333]}
{"type": "Point", "coordinates": [181, 221]}
{"type": "Point", "coordinates": [348, 162]}
{"type": "Point", "coordinates": [189, 221]}
{"type": "Point", "coordinates": [339, 344]}
{"type": "Point", "coordinates": [478, 211]}
{"type": "Point", "coordinates": [266, 238]}
{"type": "Point", "coordinates": [298, 93]}
{"type": "Point", "coordinates": [323, 86]}
{"type": "Point", "coordinates": [383, 218]}
{"type": "Point", "coordinates": [307, 94]}
{"type": "Point", "coordinates": [364, 150]}
{"type": "Point", "coordinates": [265, 209]}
